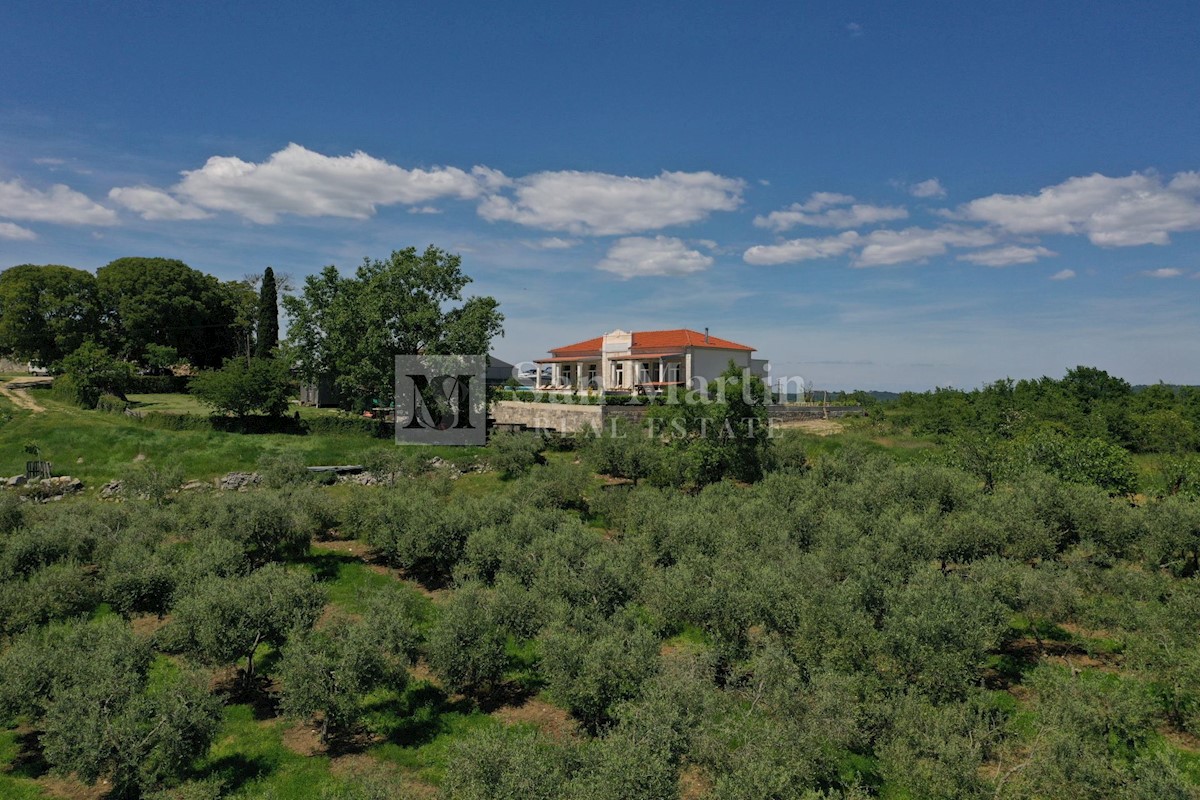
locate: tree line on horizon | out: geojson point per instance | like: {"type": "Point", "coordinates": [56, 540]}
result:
{"type": "Point", "coordinates": [152, 314]}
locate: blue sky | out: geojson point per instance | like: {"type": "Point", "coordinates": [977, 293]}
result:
{"type": "Point", "coordinates": [875, 195]}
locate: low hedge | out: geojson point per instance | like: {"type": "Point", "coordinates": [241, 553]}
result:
{"type": "Point", "coordinates": [158, 384]}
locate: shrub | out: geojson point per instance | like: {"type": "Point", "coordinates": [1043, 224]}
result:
{"type": "Point", "coordinates": [239, 388]}
{"type": "Point", "coordinates": [514, 453]}
{"type": "Point", "coordinates": [90, 372]}
{"type": "Point", "coordinates": [466, 646]}
{"type": "Point", "coordinates": [592, 669]}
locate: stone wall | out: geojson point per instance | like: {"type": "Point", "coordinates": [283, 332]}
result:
{"type": "Point", "coordinates": [561, 417]}
{"type": "Point", "coordinates": [569, 418]}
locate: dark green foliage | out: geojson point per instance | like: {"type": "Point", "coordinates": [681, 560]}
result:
{"type": "Point", "coordinates": [466, 646]}
{"type": "Point", "coordinates": [165, 302]}
{"type": "Point", "coordinates": [46, 312]}
{"type": "Point", "coordinates": [264, 525]}
{"type": "Point", "coordinates": [353, 328]}
{"type": "Point", "coordinates": [623, 450]}
{"type": "Point", "coordinates": [414, 529]}
{"type": "Point", "coordinates": [330, 671]}
{"type": "Point", "coordinates": [1084, 460]}
{"type": "Point", "coordinates": [722, 436]}
{"type": "Point", "coordinates": [89, 372]}
{"type": "Point", "coordinates": [514, 453]}
{"type": "Point", "coordinates": [263, 385]}
{"type": "Point", "coordinates": [221, 620]}
{"type": "Point", "coordinates": [266, 330]}
{"type": "Point", "coordinates": [506, 764]}
{"type": "Point", "coordinates": [104, 709]}
{"type": "Point", "coordinates": [593, 665]}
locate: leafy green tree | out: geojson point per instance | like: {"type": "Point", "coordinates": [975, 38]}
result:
{"type": "Point", "coordinates": [165, 302]}
{"type": "Point", "coordinates": [329, 672]}
{"type": "Point", "coordinates": [1082, 460]}
{"type": "Point", "coordinates": [225, 619]}
{"type": "Point", "coordinates": [91, 371]}
{"type": "Point", "coordinates": [592, 668]}
{"type": "Point", "coordinates": [160, 358]}
{"type": "Point", "coordinates": [140, 734]}
{"type": "Point", "coordinates": [104, 708]}
{"type": "Point", "coordinates": [267, 329]}
{"type": "Point", "coordinates": [46, 312]}
{"type": "Point", "coordinates": [466, 646]}
{"type": "Point", "coordinates": [353, 328]}
{"type": "Point", "coordinates": [502, 763]}
{"type": "Point", "coordinates": [238, 388]}
{"type": "Point", "coordinates": [721, 436]}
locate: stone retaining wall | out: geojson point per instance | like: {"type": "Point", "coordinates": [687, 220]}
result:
{"type": "Point", "coordinates": [570, 418]}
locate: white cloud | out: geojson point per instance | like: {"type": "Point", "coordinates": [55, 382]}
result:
{"type": "Point", "coordinates": [915, 244]}
{"type": "Point", "coordinates": [1004, 256]}
{"type": "Point", "coordinates": [298, 181]}
{"type": "Point", "coordinates": [9, 230]}
{"type": "Point", "coordinates": [595, 203]}
{"type": "Point", "coordinates": [854, 29]}
{"type": "Point", "coordinates": [424, 210]}
{"type": "Point", "coordinates": [1063, 275]}
{"type": "Point", "coordinates": [60, 204]}
{"type": "Point", "coordinates": [930, 188]}
{"type": "Point", "coordinates": [825, 210]}
{"type": "Point", "coordinates": [1164, 272]}
{"type": "Point", "coordinates": [639, 256]}
{"type": "Point", "coordinates": [801, 249]}
{"type": "Point", "coordinates": [552, 243]}
{"type": "Point", "coordinates": [1111, 212]}
{"type": "Point", "coordinates": [155, 204]}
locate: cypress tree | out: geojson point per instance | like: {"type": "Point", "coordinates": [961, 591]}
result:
{"type": "Point", "coordinates": [268, 316]}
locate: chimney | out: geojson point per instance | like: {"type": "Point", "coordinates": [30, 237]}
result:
{"type": "Point", "coordinates": [706, 335]}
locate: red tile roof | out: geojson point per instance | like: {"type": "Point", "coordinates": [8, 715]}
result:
{"type": "Point", "coordinates": [655, 340]}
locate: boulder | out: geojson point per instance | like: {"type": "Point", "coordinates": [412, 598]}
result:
{"type": "Point", "coordinates": [238, 481]}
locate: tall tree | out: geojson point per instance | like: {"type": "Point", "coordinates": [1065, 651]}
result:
{"type": "Point", "coordinates": [166, 302]}
{"type": "Point", "coordinates": [46, 311]}
{"type": "Point", "coordinates": [353, 328]}
{"type": "Point", "coordinates": [268, 316]}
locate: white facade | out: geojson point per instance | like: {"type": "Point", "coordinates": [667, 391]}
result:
{"type": "Point", "coordinates": [645, 362]}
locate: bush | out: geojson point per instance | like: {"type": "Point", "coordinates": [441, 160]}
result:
{"type": "Point", "coordinates": [90, 372]}
{"type": "Point", "coordinates": [514, 453]}
{"type": "Point", "coordinates": [239, 388]}
{"type": "Point", "coordinates": [111, 404]}
{"type": "Point", "coordinates": [592, 669]}
{"type": "Point", "coordinates": [466, 646]}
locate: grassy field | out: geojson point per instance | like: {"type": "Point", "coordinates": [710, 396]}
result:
{"type": "Point", "coordinates": [97, 447]}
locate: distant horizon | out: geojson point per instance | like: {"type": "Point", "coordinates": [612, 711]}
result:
{"type": "Point", "coordinates": [896, 196]}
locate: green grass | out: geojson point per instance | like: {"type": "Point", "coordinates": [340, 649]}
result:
{"type": "Point", "coordinates": [250, 759]}
{"type": "Point", "coordinates": [97, 447]}
{"type": "Point", "coordinates": [420, 727]}
{"type": "Point", "coordinates": [187, 404]}
{"type": "Point", "coordinates": [16, 782]}
{"type": "Point", "coordinates": [348, 580]}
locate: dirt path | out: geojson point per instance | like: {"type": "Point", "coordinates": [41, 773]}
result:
{"type": "Point", "coordinates": [19, 397]}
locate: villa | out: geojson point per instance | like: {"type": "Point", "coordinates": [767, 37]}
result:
{"type": "Point", "coordinates": [645, 362]}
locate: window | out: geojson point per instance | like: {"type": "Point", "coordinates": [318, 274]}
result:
{"type": "Point", "coordinates": [591, 379]}
{"type": "Point", "coordinates": [566, 375]}
{"type": "Point", "coordinates": [673, 372]}
{"type": "Point", "coordinates": [644, 372]}
{"type": "Point", "coordinates": [618, 373]}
